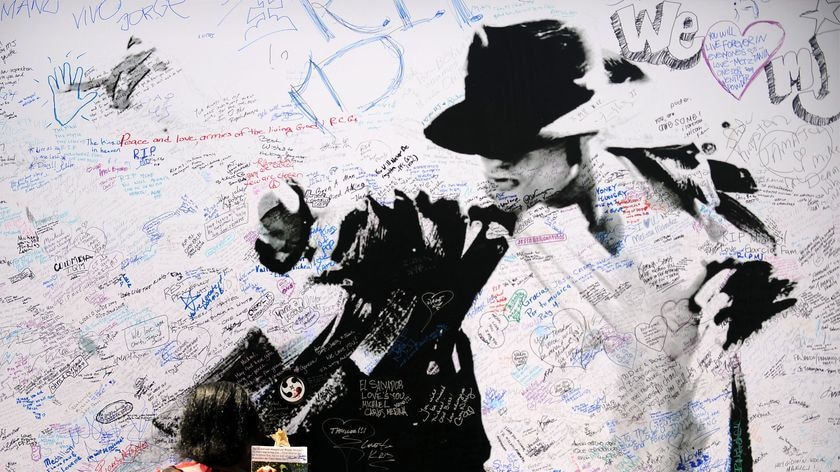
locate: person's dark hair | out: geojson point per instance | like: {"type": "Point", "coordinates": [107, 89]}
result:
{"type": "Point", "coordinates": [219, 424]}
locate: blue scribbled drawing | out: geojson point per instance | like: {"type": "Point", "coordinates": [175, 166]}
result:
{"type": "Point", "coordinates": [167, 353]}
{"type": "Point", "coordinates": [325, 31]}
{"type": "Point", "coordinates": [195, 303]}
{"type": "Point", "coordinates": [351, 26]}
{"type": "Point", "coordinates": [152, 227]}
{"type": "Point", "coordinates": [65, 79]}
{"type": "Point", "coordinates": [464, 14]}
{"type": "Point", "coordinates": [264, 12]}
{"type": "Point", "coordinates": [297, 92]}
{"type": "Point", "coordinates": [405, 15]}
{"type": "Point", "coordinates": [160, 106]}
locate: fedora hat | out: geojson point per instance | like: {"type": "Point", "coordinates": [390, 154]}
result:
{"type": "Point", "coordinates": [519, 79]}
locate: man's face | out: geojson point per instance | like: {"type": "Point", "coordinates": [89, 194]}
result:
{"type": "Point", "coordinates": [535, 175]}
{"type": "Point", "coordinates": [283, 238]}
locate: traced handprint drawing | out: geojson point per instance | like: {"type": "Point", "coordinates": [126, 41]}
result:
{"type": "Point", "coordinates": [66, 79]}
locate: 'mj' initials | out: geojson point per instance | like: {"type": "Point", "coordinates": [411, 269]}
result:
{"type": "Point", "coordinates": [796, 69]}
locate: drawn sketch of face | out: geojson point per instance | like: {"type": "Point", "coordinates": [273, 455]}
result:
{"type": "Point", "coordinates": [748, 6]}
{"type": "Point", "coordinates": [537, 175]}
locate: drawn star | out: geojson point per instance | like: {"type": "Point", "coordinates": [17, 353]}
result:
{"type": "Point", "coordinates": [280, 438]}
{"type": "Point", "coordinates": [823, 12]}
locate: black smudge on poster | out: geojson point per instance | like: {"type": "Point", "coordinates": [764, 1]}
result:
{"type": "Point", "coordinates": [756, 296]}
{"type": "Point", "coordinates": [744, 219]}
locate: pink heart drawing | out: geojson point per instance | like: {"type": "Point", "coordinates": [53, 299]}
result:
{"type": "Point", "coordinates": [736, 58]}
{"type": "Point", "coordinates": [620, 348]}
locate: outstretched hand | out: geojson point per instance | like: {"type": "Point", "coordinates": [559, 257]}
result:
{"type": "Point", "coordinates": [67, 105]}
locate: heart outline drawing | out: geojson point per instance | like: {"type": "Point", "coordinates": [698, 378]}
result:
{"type": "Point", "coordinates": [741, 34]}
{"type": "Point", "coordinates": [562, 344]}
{"type": "Point", "coordinates": [435, 301]}
{"type": "Point", "coordinates": [653, 333]}
{"type": "Point", "coordinates": [347, 436]}
{"type": "Point", "coordinates": [621, 348]}
{"type": "Point", "coordinates": [676, 313]}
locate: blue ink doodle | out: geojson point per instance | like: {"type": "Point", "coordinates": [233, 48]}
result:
{"type": "Point", "coordinates": [65, 79]}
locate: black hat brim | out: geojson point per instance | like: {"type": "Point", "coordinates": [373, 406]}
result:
{"type": "Point", "coordinates": [476, 128]}
{"type": "Point", "coordinates": [457, 130]}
